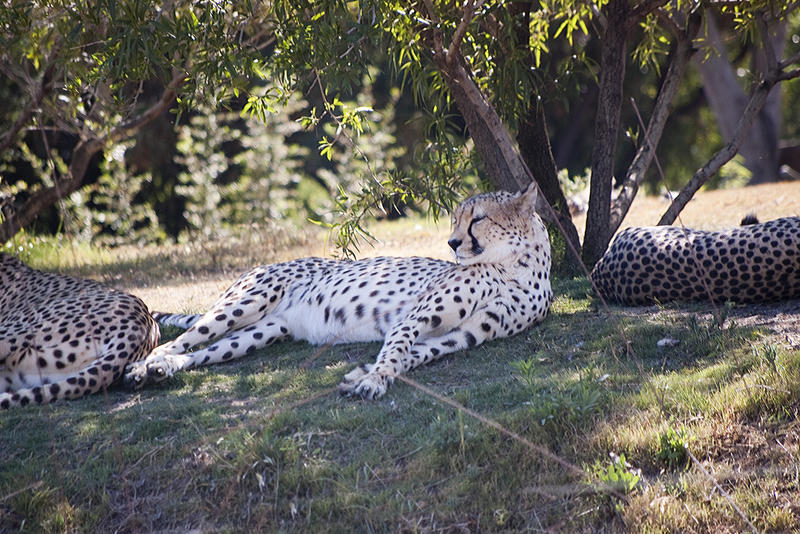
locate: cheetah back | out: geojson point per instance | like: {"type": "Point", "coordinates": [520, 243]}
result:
{"type": "Point", "coordinates": [753, 263]}
{"type": "Point", "coordinates": [64, 337]}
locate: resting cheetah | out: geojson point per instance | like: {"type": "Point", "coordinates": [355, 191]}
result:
{"type": "Point", "coordinates": [64, 337]}
{"type": "Point", "coordinates": [421, 308]}
{"type": "Point", "coordinates": [751, 263]}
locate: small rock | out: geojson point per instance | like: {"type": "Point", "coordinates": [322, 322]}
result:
{"type": "Point", "coordinates": [667, 342]}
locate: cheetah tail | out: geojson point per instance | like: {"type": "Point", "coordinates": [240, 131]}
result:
{"type": "Point", "coordinates": [175, 319]}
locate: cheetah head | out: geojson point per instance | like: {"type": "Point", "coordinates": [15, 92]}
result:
{"type": "Point", "coordinates": [498, 227]}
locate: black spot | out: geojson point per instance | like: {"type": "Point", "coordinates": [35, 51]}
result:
{"type": "Point", "coordinates": [471, 341]}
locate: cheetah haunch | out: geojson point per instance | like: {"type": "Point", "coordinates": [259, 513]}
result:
{"type": "Point", "coordinates": [421, 308]}
{"type": "Point", "coordinates": [751, 263]}
{"type": "Point", "coordinates": [63, 337]}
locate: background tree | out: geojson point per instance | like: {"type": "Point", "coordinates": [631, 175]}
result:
{"type": "Point", "coordinates": [78, 71]}
{"type": "Point", "coordinates": [492, 80]}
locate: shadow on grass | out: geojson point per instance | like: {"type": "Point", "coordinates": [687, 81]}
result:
{"type": "Point", "coordinates": [251, 446]}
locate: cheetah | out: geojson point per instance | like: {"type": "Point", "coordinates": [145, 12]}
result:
{"type": "Point", "coordinates": [754, 262]}
{"type": "Point", "coordinates": [421, 308]}
{"type": "Point", "coordinates": [63, 337]}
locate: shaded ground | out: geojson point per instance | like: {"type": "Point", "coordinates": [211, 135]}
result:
{"type": "Point", "coordinates": [263, 444]}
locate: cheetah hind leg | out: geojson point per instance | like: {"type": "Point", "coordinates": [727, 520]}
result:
{"type": "Point", "coordinates": [160, 364]}
{"type": "Point", "coordinates": [91, 379]}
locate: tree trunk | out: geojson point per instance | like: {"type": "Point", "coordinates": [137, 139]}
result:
{"type": "Point", "coordinates": [612, 76]}
{"type": "Point", "coordinates": [728, 100]}
{"type": "Point", "coordinates": [534, 145]}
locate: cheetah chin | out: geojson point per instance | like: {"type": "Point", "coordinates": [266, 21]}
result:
{"type": "Point", "coordinates": [421, 308]}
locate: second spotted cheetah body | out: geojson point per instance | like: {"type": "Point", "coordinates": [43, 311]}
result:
{"type": "Point", "coordinates": [755, 262]}
{"type": "Point", "coordinates": [421, 308]}
{"type": "Point", "coordinates": [63, 337]}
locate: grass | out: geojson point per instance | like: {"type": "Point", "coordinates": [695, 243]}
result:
{"type": "Point", "coordinates": [264, 444]}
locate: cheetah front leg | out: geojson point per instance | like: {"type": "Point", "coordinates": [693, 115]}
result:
{"type": "Point", "coordinates": [162, 363]}
{"type": "Point", "coordinates": [401, 353]}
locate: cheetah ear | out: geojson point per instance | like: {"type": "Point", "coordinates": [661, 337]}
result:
{"type": "Point", "coordinates": [527, 197]}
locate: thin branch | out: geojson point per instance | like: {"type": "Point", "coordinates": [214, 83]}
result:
{"type": "Point", "coordinates": [725, 154]}
{"type": "Point", "coordinates": [343, 129]}
{"type": "Point", "coordinates": [724, 493]}
{"type": "Point", "coordinates": [469, 11]}
{"type": "Point", "coordinates": [789, 61]}
{"type": "Point", "coordinates": [673, 78]}
{"type": "Point", "coordinates": [790, 75]}
{"type": "Point", "coordinates": [25, 117]}
{"type": "Point", "coordinates": [644, 9]}
{"type": "Point", "coordinates": [438, 40]}
{"type": "Point", "coordinates": [667, 21]}
{"type": "Point", "coordinates": [167, 97]}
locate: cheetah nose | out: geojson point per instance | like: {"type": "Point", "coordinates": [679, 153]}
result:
{"type": "Point", "coordinates": [454, 243]}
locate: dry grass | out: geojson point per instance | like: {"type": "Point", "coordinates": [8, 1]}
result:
{"type": "Point", "coordinates": [712, 210]}
{"type": "Point", "coordinates": [196, 291]}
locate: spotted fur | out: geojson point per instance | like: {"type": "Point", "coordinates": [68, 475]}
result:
{"type": "Point", "coordinates": [63, 337]}
{"type": "Point", "coordinates": [752, 263]}
{"type": "Point", "coordinates": [421, 308]}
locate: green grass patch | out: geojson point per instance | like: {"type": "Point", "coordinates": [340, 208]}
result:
{"type": "Point", "coordinates": [257, 445]}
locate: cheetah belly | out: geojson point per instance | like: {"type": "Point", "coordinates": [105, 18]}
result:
{"type": "Point", "coordinates": [356, 302]}
{"type": "Point", "coordinates": [308, 323]}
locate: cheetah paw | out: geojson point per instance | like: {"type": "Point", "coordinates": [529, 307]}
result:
{"type": "Point", "coordinates": [365, 383]}
{"type": "Point", "coordinates": [150, 370]}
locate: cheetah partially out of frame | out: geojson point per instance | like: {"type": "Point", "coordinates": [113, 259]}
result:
{"type": "Point", "coordinates": [63, 337]}
{"type": "Point", "coordinates": [421, 308]}
{"type": "Point", "coordinates": [755, 262]}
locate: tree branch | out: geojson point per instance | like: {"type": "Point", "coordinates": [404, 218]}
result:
{"type": "Point", "coordinates": [644, 9]}
{"type": "Point", "coordinates": [167, 97]}
{"type": "Point", "coordinates": [683, 52]}
{"type": "Point", "coordinates": [25, 214]}
{"type": "Point", "coordinates": [469, 11]}
{"type": "Point", "coordinates": [725, 154]}
{"type": "Point", "coordinates": [789, 61]}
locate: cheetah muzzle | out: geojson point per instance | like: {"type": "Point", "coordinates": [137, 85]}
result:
{"type": "Point", "coordinates": [420, 308]}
